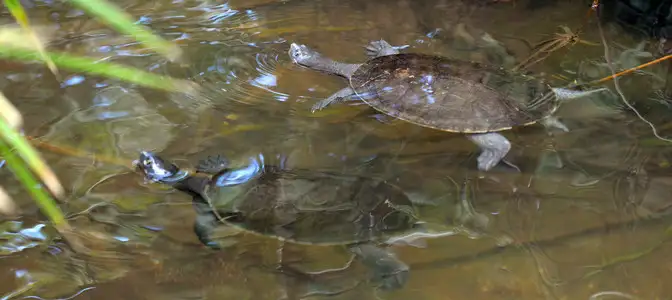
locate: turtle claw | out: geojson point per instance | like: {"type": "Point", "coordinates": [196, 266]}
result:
{"type": "Point", "coordinates": [334, 98]}
{"type": "Point", "coordinates": [322, 104]}
{"type": "Point", "coordinates": [212, 164]}
{"type": "Point", "coordinates": [511, 165]}
{"type": "Point", "coordinates": [380, 48]}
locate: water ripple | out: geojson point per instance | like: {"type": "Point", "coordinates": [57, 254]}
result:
{"type": "Point", "coordinates": [236, 51]}
{"type": "Point", "coordinates": [204, 23]}
{"type": "Point", "coordinates": [246, 74]}
{"type": "Point", "coordinates": [16, 239]}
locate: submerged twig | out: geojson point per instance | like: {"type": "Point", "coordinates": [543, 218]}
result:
{"type": "Point", "coordinates": [631, 257]}
{"type": "Point", "coordinates": [545, 48]}
{"type": "Point", "coordinates": [617, 86]}
{"type": "Point", "coordinates": [61, 149]}
{"type": "Point", "coordinates": [568, 38]}
{"type": "Point", "coordinates": [611, 294]}
{"type": "Point", "coordinates": [625, 72]}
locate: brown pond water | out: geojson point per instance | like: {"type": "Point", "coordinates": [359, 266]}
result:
{"type": "Point", "coordinates": [585, 219]}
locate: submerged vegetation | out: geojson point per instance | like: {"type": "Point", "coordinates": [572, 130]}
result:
{"type": "Point", "coordinates": [610, 175]}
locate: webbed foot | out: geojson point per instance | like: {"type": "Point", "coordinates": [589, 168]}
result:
{"type": "Point", "coordinates": [389, 271]}
{"type": "Point", "coordinates": [335, 98]}
{"type": "Point", "coordinates": [494, 147]}
{"type": "Point", "coordinates": [212, 164]}
{"type": "Point", "coordinates": [380, 48]}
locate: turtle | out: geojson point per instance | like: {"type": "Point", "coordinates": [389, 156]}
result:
{"type": "Point", "coordinates": [301, 206]}
{"type": "Point", "coordinates": [452, 95]}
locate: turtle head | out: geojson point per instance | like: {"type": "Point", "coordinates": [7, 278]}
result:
{"type": "Point", "coordinates": [304, 56]}
{"type": "Point", "coordinates": [156, 169]}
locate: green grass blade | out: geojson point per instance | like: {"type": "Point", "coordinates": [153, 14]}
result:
{"type": "Point", "coordinates": [7, 205]}
{"type": "Point", "coordinates": [110, 14]}
{"type": "Point", "coordinates": [13, 139]}
{"type": "Point", "coordinates": [19, 14]}
{"type": "Point", "coordinates": [17, 11]}
{"type": "Point", "coordinates": [92, 66]}
{"type": "Point", "coordinates": [9, 113]}
{"type": "Point", "coordinates": [43, 199]}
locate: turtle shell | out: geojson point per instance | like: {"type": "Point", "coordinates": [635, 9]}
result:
{"type": "Point", "coordinates": [312, 207]}
{"type": "Point", "coordinates": [452, 95]}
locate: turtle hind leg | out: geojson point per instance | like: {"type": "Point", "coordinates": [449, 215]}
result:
{"type": "Point", "coordinates": [334, 98]}
{"type": "Point", "coordinates": [212, 164]}
{"type": "Point", "coordinates": [209, 229]}
{"type": "Point", "coordinates": [380, 48]}
{"type": "Point", "coordinates": [389, 271]}
{"type": "Point", "coordinates": [204, 225]}
{"type": "Point", "coordinates": [494, 147]}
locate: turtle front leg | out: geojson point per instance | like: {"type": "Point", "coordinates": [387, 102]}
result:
{"type": "Point", "coordinates": [205, 224]}
{"type": "Point", "coordinates": [494, 147]}
{"type": "Point", "coordinates": [335, 98]}
{"type": "Point", "coordinates": [380, 48]}
{"type": "Point", "coordinates": [391, 272]}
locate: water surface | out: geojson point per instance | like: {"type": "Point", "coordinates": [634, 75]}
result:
{"type": "Point", "coordinates": [585, 219]}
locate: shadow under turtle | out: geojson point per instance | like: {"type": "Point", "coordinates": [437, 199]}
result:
{"type": "Point", "coordinates": [299, 206]}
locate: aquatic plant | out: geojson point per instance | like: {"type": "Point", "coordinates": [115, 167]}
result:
{"type": "Point", "coordinates": [25, 160]}
{"type": "Point", "coordinates": [20, 156]}
{"type": "Point", "coordinates": [14, 45]}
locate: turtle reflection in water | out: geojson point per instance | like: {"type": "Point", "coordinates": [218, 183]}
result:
{"type": "Point", "coordinates": [296, 205]}
{"type": "Point", "coordinates": [444, 94]}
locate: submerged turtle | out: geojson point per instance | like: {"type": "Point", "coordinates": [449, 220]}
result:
{"type": "Point", "coordinates": [445, 94]}
{"type": "Point", "coordinates": [298, 205]}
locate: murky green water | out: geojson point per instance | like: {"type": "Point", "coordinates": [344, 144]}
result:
{"type": "Point", "coordinates": [585, 219]}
